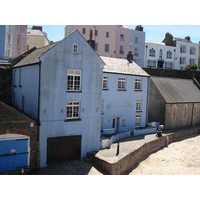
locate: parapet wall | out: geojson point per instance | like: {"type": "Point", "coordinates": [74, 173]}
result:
{"type": "Point", "coordinates": [132, 160]}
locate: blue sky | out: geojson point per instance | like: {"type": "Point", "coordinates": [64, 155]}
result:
{"type": "Point", "coordinates": [153, 32]}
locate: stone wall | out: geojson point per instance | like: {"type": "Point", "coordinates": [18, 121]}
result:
{"type": "Point", "coordinates": [132, 160]}
{"type": "Point", "coordinates": [156, 105]}
{"type": "Point", "coordinates": [173, 73]}
{"type": "Point", "coordinates": [191, 117]}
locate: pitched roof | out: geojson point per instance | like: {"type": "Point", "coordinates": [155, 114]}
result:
{"type": "Point", "coordinates": [33, 58]}
{"type": "Point", "coordinates": [122, 66]}
{"type": "Point", "coordinates": [176, 90]}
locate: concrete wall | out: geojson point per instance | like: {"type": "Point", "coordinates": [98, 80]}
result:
{"type": "Point", "coordinates": [54, 97]}
{"type": "Point", "coordinates": [133, 159]}
{"type": "Point", "coordinates": [122, 104]}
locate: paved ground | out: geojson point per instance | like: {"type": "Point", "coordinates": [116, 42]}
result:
{"type": "Point", "coordinates": [76, 167]}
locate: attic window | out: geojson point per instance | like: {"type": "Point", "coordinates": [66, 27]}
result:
{"type": "Point", "coordinates": [75, 48]}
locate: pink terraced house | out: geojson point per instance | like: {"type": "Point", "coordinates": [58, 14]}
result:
{"type": "Point", "coordinates": [114, 40]}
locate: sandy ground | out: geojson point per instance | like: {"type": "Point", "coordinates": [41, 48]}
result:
{"type": "Point", "coordinates": [179, 158]}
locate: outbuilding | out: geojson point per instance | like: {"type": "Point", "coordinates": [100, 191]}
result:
{"type": "Point", "coordinates": [174, 102]}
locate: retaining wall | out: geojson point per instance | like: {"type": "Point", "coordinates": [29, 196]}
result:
{"type": "Point", "coordinates": [132, 160]}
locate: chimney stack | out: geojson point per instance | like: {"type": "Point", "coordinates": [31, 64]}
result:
{"type": "Point", "coordinates": [37, 28]}
{"type": "Point", "coordinates": [168, 39]}
{"type": "Point", "coordinates": [139, 28]}
{"type": "Point", "coordinates": [130, 56]}
{"type": "Point", "coordinates": [90, 41]}
{"type": "Point", "coordinates": [187, 38]}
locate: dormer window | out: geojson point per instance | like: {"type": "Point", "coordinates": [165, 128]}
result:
{"type": "Point", "coordinates": [75, 48]}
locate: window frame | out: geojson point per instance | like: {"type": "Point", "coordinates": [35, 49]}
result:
{"type": "Point", "coordinates": [152, 52]}
{"type": "Point", "coordinates": [151, 63]}
{"type": "Point", "coordinates": [121, 49]}
{"type": "Point", "coordinates": [183, 49]}
{"type": "Point", "coordinates": [75, 49]}
{"type": "Point", "coordinates": [121, 37]}
{"type": "Point", "coordinates": [182, 60]}
{"type": "Point", "coordinates": [105, 80]}
{"type": "Point", "coordinates": [73, 111]}
{"type": "Point", "coordinates": [169, 54]}
{"type": "Point", "coordinates": [75, 73]}
{"type": "Point", "coordinates": [138, 84]}
{"type": "Point", "coordinates": [121, 84]}
{"type": "Point", "coordinates": [137, 120]}
{"type": "Point", "coordinates": [136, 40]}
{"type": "Point", "coordinates": [139, 105]}
{"type": "Point", "coordinates": [83, 31]}
{"type": "Point", "coordinates": [107, 46]}
{"type": "Point", "coordinates": [192, 51]}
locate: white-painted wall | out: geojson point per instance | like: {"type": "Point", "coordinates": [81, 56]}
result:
{"type": "Point", "coordinates": [122, 104]}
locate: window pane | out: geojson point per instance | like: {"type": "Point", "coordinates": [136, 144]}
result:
{"type": "Point", "coordinates": [74, 80]}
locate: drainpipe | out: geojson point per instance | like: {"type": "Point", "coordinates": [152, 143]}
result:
{"type": "Point", "coordinates": [38, 118]}
{"type": "Point", "coordinates": [174, 57]}
{"type": "Point", "coordinates": [146, 56]}
{"type": "Point", "coordinates": [147, 103]}
{"type": "Point", "coordinates": [39, 86]}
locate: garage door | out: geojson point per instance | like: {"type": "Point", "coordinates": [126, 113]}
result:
{"type": "Point", "coordinates": [63, 148]}
{"type": "Point", "coordinates": [13, 154]}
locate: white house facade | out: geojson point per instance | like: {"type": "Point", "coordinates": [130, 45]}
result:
{"type": "Point", "coordinates": [186, 53]}
{"type": "Point", "coordinates": [175, 53]}
{"type": "Point", "coordinates": [159, 55]}
{"type": "Point", "coordinates": [60, 86]}
{"type": "Point", "coordinates": [124, 95]}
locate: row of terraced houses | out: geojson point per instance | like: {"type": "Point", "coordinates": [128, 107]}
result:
{"type": "Point", "coordinates": [72, 97]}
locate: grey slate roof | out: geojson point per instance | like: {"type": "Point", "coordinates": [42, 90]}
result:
{"type": "Point", "coordinates": [122, 66]}
{"type": "Point", "coordinates": [33, 58]}
{"type": "Point", "coordinates": [176, 90]}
